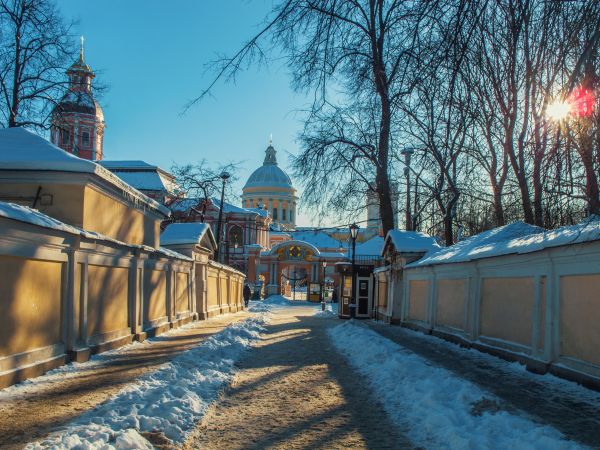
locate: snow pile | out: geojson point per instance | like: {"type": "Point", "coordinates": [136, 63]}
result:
{"type": "Point", "coordinates": [432, 406]}
{"type": "Point", "coordinates": [170, 400]}
{"type": "Point", "coordinates": [489, 243]}
{"type": "Point", "coordinates": [331, 311]}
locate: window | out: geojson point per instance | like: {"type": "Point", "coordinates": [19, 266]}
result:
{"type": "Point", "coordinates": [65, 137]}
{"type": "Point", "coordinates": [283, 215]}
{"type": "Point", "coordinates": [291, 215]}
{"type": "Point", "coordinates": [274, 213]}
{"type": "Point", "coordinates": [85, 139]}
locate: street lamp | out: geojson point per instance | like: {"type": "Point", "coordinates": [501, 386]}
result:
{"type": "Point", "coordinates": [407, 152]}
{"type": "Point", "coordinates": [324, 263]}
{"type": "Point", "coordinates": [353, 235]}
{"type": "Point", "coordinates": [224, 177]}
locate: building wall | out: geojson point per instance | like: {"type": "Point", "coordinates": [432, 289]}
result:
{"type": "Point", "coordinates": [155, 292]}
{"type": "Point", "coordinates": [107, 299]}
{"type": "Point", "coordinates": [61, 201]}
{"type": "Point", "coordinates": [117, 220]}
{"type": "Point", "coordinates": [540, 308]}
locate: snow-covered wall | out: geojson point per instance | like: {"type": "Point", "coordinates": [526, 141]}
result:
{"type": "Point", "coordinates": [533, 298]}
{"type": "Point", "coordinates": [66, 292]}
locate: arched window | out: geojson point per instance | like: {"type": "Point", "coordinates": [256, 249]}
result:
{"type": "Point", "coordinates": [274, 213]}
{"type": "Point", "coordinates": [236, 236]}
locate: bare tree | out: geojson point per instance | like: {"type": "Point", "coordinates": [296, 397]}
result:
{"type": "Point", "coordinates": [346, 53]}
{"type": "Point", "coordinates": [200, 182]}
{"type": "Point", "coordinates": [35, 51]}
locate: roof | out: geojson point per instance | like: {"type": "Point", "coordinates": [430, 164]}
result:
{"type": "Point", "coordinates": [411, 242]}
{"type": "Point", "coordinates": [372, 247]}
{"type": "Point", "coordinates": [229, 208]}
{"type": "Point", "coordinates": [79, 102]}
{"type": "Point", "coordinates": [195, 233]}
{"type": "Point", "coordinates": [21, 149]}
{"type": "Point", "coordinates": [317, 238]}
{"type": "Point", "coordinates": [513, 238]}
{"type": "Point", "coordinates": [269, 174]}
{"type": "Point", "coordinates": [142, 176]}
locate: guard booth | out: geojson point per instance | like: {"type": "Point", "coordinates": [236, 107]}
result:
{"type": "Point", "coordinates": [363, 289]}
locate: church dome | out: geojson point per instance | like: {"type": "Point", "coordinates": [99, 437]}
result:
{"type": "Point", "coordinates": [269, 174]}
{"type": "Point", "coordinates": [79, 102]}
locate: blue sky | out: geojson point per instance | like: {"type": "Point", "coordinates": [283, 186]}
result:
{"type": "Point", "coordinates": [152, 55]}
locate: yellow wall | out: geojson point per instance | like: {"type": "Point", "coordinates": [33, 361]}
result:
{"type": "Point", "coordinates": [107, 299]}
{"type": "Point", "coordinates": [419, 294]}
{"type": "Point", "coordinates": [67, 199]}
{"type": "Point", "coordinates": [117, 220]}
{"type": "Point", "coordinates": [451, 297]}
{"type": "Point", "coordinates": [212, 287]}
{"type": "Point", "coordinates": [155, 293]}
{"type": "Point", "coordinates": [580, 317]}
{"type": "Point", "coordinates": [181, 298]}
{"type": "Point", "coordinates": [30, 304]}
{"type": "Point", "coordinates": [507, 308]}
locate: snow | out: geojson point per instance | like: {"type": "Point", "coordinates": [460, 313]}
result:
{"type": "Point", "coordinates": [186, 233]}
{"type": "Point", "coordinates": [29, 215]}
{"type": "Point", "coordinates": [21, 149]}
{"type": "Point", "coordinates": [34, 217]}
{"type": "Point", "coordinates": [319, 239]}
{"type": "Point", "coordinates": [228, 208]}
{"type": "Point", "coordinates": [516, 238]}
{"type": "Point", "coordinates": [432, 406]}
{"type": "Point", "coordinates": [411, 242]}
{"type": "Point", "coordinates": [171, 400]}
{"type": "Point", "coordinates": [142, 176]}
{"type": "Point", "coordinates": [372, 247]}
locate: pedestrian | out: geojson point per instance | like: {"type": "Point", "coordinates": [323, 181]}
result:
{"type": "Point", "coordinates": [334, 295]}
{"type": "Point", "coordinates": [247, 294]}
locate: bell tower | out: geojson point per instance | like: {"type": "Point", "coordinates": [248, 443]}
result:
{"type": "Point", "coordinates": [77, 120]}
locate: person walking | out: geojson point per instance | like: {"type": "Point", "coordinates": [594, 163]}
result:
{"type": "Point", "coordinates": [247, 294]}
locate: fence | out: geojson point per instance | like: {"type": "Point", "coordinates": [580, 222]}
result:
{"type": "Point", "coordinates": [67, 294]}
{"type": "Point", "coordinates": [542, 308]}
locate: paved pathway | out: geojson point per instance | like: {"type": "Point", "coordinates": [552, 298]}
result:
{"type": "Point", "coordinates": [570, 408]}
{"type": "Point", "coordinates": [295, 391]}
{"type": "Point", "coordinates": [31, 411]}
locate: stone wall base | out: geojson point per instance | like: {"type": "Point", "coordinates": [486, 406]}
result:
{"type": "Point", "coordinates": [14, 376]}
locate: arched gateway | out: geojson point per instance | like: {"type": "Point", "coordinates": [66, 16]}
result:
{"type": "Point", "coordinates": [298, 261]}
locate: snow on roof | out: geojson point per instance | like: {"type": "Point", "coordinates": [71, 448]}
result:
{"type": "Point", "coordinates": [21, 149]}
{"type": "Point", "coordinates": [142, 176]}
{"type": "Point", "coordinates": [317, 238]}
{"type": "Point", "coordinates": [513, 238]}
{"type": "Point", "coordinates": [184, 204]}
{"type": "Point", "coordinates": [411, 242]}
{"type": "Point", "coordinates": [34, 217]}
{"type": "Point", "coordinates": [229, 208]}
{"type": "Point", "coordinates": [372, 247]}
{"type": "Point", "coordinates": [126, 164]}
{"type": "Point", "coordinates": [187, 233]}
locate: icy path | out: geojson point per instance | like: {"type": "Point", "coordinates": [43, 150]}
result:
{"type": "Point", "coordinates": [295, 391]}
{"type": "Point", "coordinates": [171, 399]}
{"type": "Point", "coordinates": [434, 407]}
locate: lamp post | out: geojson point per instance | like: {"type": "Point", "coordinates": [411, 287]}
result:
{"type": "Point", "coordinates": [324, 263]}
{"type": "Point", "coordinates": [224, 177]}
{"type": "Point", "coordinates": [353, 234]}
{"type": "Point", "coordinates": [407, 152]}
